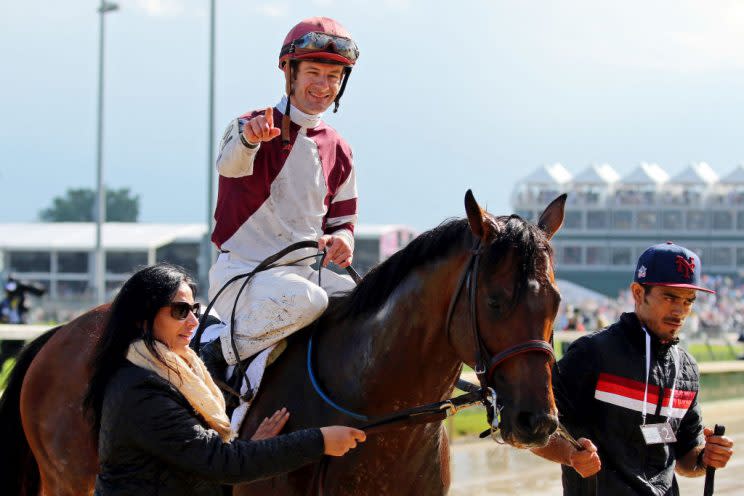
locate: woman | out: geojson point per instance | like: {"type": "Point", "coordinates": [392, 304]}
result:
{"type": "Point", "coordinates": [159, 418]}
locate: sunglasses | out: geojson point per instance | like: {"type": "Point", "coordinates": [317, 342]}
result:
{"type": "Point", "coordinates": [179, 310]}
{"type": "Point", "coordinates": [321, 42]}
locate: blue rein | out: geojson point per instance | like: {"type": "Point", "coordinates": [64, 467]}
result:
{"type": "Point", "coordinates": [319, 390]}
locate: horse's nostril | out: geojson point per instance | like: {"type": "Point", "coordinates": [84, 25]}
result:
{"type": "Point", "coordinates": [550, 424]}
{"type": "Point", "coordinates": [537, 423]}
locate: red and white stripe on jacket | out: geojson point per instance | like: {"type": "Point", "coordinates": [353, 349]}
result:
{"type": "Point", "coordinates": [270, 198]}
{"type": "Point", "coordinates": [628, 393]}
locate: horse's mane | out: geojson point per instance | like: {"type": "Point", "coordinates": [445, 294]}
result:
{"type": "Point", "coordinates": [375, 288]}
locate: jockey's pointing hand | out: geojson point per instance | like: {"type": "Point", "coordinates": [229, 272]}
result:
{"type": "Point", "coordinates": [261, 128]}
{"type": "Point", "coordinates": [339, 251]}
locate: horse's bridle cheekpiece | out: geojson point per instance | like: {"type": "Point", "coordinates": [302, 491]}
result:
{"type": "Point", "coordinates": [485, 363]}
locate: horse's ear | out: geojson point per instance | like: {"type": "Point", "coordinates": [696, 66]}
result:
{"type": "Point", "coordinates": [552, 217]}
{"type": "Point", "coordinates": [475, 215]}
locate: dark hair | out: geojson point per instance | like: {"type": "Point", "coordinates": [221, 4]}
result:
{"type": "Point", "coordinates": [646, 290]}
{"type": "Point", "coordinates": [131, 317]}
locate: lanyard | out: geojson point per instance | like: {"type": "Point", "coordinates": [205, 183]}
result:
{"type": "Point", "coordinates": [675, 354]}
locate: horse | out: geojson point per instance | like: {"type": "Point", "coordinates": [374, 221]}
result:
{"type": "Point", "coordinates": [481, 284]}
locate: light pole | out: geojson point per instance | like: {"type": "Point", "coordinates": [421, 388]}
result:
{"type": "Point", "coordinates": [207, 253]}
{"type": "Point", "coordinates": [100, 268]}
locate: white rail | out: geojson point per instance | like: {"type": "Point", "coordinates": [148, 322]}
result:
{"type": "Point", "coordinates": [22, 332]}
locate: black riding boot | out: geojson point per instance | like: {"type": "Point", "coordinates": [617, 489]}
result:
{"type": "Point", "coordinates": [211, 355]}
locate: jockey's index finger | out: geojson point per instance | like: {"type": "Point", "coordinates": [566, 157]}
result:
{"type": "Point", "coordinates": [269, 114]}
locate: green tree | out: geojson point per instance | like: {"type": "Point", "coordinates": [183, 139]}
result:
{"type": "Point", "coordinates": [78, 205]}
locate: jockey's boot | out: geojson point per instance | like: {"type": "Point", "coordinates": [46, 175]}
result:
{"type": "Point", "coordinates": [211, 355]}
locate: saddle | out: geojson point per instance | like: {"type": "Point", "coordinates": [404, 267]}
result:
{"type": "Point", "coordinates": [238, 387]}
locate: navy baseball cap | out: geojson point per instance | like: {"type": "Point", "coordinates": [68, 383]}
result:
{"type": "Point", "coordinates": [670, 265]}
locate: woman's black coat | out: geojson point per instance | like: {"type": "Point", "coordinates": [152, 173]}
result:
{"type": "Point", "coordinates": [153, 442]}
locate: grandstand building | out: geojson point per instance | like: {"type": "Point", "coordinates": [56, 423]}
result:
{"type": "Point", "coordinates": [611, 219]}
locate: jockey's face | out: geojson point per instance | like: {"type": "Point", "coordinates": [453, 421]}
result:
{"type": "Point", "coordinates": [174, 333]}
{"type": "Point", "coordinates": [663, 309]}
{"type": "Point", "coordinates": [315, 86]}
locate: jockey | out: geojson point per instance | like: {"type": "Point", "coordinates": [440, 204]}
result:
{"type": "Point", "coordinates": [283, 181]}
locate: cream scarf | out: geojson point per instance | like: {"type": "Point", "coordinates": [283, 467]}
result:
{"type": "Point", "coordinates": [195, 383]}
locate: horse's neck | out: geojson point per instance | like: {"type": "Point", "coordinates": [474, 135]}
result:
{"type": "Point", "coordinates": [399, 356]}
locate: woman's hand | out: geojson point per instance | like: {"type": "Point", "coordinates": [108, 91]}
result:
{"type": "Point", "coordinates": [271, 426]}
{"type": "Point", "coordinates": [338, 440]}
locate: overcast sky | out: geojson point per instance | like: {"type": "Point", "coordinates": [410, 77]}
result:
{"type": "Point", "coordinates": [446, 95]}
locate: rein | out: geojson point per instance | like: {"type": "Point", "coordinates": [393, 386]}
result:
{"type": "Point", "coordinates": [422, 414]}
{"type": "Point", "coordinates": [486, 364]}
{"type": "Point", "coordinates": [269, 263]}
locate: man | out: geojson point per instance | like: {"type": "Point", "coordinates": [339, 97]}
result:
{"type": "Point", "coordinates": [630, 393]}
{"type": "Point", "coordinates": [13, 309]}
{"type": "Point", "coordinates": [283, 181]}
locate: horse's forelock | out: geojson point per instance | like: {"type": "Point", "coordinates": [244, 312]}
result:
{"type": "Point", "coordinates": [529, 244]}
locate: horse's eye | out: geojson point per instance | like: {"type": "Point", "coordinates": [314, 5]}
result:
{"type": "Point", "coordinates": [495, 304]}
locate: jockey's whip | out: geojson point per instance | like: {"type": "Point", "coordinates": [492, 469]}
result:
{"type": "Point", "coordinates": [710, 472]}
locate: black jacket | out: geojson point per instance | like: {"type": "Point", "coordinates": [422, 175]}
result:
{"type": "Point", "coordinates": [599, 386]}
{"type": "Point", "coordinates": [152, 442]}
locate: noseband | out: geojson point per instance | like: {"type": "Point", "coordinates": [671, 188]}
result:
{"type": "Point", "coordinates": [485, 363]}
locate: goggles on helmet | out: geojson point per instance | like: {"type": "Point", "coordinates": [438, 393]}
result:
{"type": "Point", "coordinates": [321, 42]}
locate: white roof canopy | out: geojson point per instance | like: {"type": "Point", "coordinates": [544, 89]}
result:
{"type": "Point", "coordinates": [736, 176]}
{"type": "Point", "coordinates": [646, 174]}
{"type": "Point", "coordinates": [574, 294]}
{"type": "Point", "coordinates": [597, 174]}
{"type": "Point", "coordinates": [376, 230]}
{"type": "Point", "coordinates": [700, 173]}
{"type": "Point", "coordinates": [549, 174]}
{"type": "Point", "coordinates": [67, 236]}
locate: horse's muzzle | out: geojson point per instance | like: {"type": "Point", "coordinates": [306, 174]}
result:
{"type": "Point", "coordinates": [530, 429]}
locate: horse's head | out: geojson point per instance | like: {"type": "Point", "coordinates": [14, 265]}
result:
{"type": "Point", "coordinates": [506, 325]}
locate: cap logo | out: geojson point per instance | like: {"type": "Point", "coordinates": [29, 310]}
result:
{"type": "Point", "coordinates": [684, 266]}
{"type": "Point", "coordinates": [642, 272]}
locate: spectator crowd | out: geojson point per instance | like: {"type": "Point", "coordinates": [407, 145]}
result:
{"type": "Point", "coordinates": [714, 314]}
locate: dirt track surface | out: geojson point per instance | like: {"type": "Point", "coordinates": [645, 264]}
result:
{"type": "Point", "coordinates": [483, 467]}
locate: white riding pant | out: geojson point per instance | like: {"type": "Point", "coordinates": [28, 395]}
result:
{"type": "Point", "coordinates": [273, 305]}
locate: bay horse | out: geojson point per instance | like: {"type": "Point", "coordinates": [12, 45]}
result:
{"type": "Point", "coordinates": [391, 344]}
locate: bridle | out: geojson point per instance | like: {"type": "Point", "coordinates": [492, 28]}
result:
{"type": "Point", "coordinates": [485, 363]}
